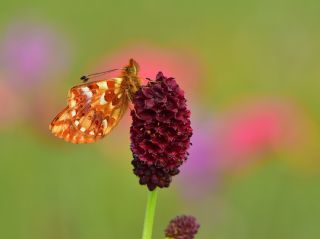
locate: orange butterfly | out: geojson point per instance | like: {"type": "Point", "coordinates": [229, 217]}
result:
{"type": "Point", "coordinates": [95, 108]}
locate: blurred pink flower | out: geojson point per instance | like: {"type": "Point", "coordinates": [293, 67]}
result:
{"type": "Point", "coordinates": [182, 65]}
{"type": "Point", "coordinates": [12, 107]}
{"type": "Point", "coordinates": [32, 52]}
{"type": "Point", "coordinates": [238, 138]}
{"type": "Point", "coordinates": [257, 127]}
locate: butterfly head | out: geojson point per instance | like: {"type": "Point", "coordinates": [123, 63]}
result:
{"type": "Point", "coordinates": [132, 69]}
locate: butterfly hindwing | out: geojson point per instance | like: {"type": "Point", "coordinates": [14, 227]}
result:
{"type": "Point", "coordinates": [93, 110]}
{"type": "Point", "coordinates": [62, 126]}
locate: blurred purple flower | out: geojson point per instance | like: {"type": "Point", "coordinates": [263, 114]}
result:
{"type": "Point", "coordinates": [32, 52]}
{"type": "Point", "coordinates": [200, 171]}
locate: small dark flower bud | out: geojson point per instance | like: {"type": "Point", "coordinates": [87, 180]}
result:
{"type": "Point", "coordinates": [182, 227]}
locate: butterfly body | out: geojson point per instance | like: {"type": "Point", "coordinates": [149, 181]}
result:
{"type": "Point", "coordinates": [95, 108]}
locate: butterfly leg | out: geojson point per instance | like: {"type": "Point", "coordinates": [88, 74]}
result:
{"type": "Point", "coordinates": [128, 95]}
{"type": "Point", "coordinates": [130, 99]}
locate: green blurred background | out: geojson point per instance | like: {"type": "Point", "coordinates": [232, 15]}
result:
{"type": "Point", "coordinates": [250, 70]}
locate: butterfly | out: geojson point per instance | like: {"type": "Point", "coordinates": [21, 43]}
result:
{"type": "Point", "coordinates": [95, 108]}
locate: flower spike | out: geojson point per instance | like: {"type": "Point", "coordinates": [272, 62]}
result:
{"type": "Point", "coordinates": [160, 131]}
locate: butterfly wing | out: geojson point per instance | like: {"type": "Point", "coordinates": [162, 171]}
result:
{"type": "Point", "coordinates": [93, 110]}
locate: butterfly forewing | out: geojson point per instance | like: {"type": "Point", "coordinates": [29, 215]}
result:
{"type": "Point", "coordinates": [93, 110]}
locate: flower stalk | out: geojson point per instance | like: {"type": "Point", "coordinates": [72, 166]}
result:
{"type": "Point", "coordinates": [149, 215]}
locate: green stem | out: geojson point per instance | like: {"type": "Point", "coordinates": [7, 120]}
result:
{"type": "Point", "coordinates": [149, 216]}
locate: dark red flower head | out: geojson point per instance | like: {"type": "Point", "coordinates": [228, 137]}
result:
{"type": "Point", "coordinates": [182, 227]}
{"type": "Point", "coordinates": [160, 131]}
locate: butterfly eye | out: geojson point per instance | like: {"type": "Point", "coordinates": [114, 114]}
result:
{"type": "Point", "coordinates": [84, 78]}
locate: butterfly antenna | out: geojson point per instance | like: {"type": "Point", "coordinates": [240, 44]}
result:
{"type": "Point", "coordinates": [87, 77]}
